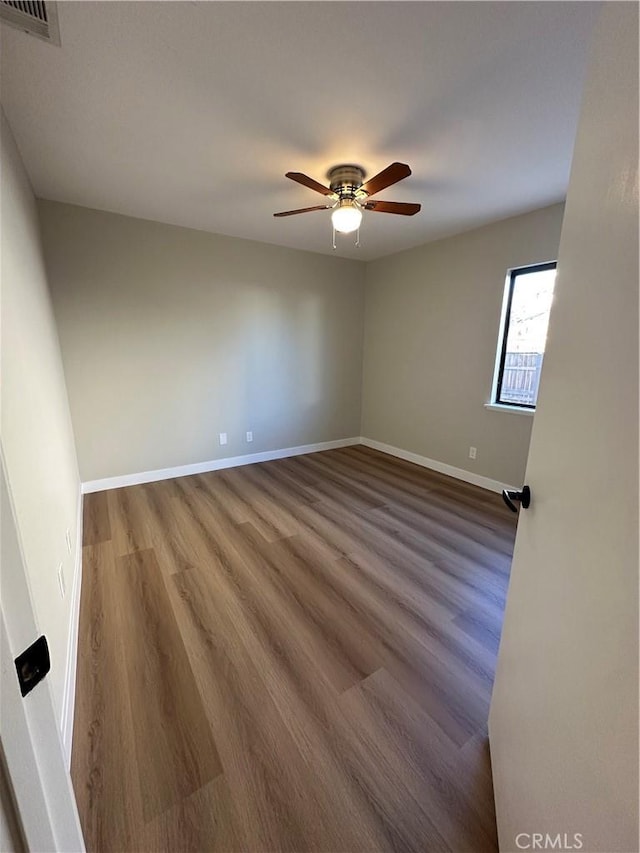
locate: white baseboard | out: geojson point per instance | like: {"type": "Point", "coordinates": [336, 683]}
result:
{"type": "Point", "coordinates": [211, 465]}
{"type": "Point", "coordinates": [434, 465]}
{"type": "Point", "coordinates": [69, 697]}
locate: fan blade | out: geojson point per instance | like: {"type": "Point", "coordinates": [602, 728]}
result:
{"type": "Point", "coordinates": [401, 207]}
{"type": "Point", "coordinates": [391, 175]}
{"type": "Point", "coordinates": [304, 210]}
{"type": "Point", "coordinates": [306, 181]}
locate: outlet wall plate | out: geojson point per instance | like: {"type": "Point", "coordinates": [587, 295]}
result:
{"type": "Point", "coordinates": [223, 438]}
{"type": "Point", "coordinates": [249, 435]}
{"type": "Point", "coordinates": [473, 452]}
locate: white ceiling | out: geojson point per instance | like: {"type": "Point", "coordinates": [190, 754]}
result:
{"type": "Point", "coordinates": [191, 112]}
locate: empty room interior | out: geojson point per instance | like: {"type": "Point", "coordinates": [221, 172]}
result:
{"type": "Point", "coordinates": [319, 376]}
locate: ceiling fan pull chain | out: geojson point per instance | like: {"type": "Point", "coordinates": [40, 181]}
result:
{"type": "Point", "coordinates": [334, 240]}
{"type": "Point", "coordinates": [358, 238]}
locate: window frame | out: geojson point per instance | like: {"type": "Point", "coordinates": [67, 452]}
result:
{"type": "Point", "coordinates": [505, 320]}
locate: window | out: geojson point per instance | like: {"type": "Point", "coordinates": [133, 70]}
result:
{"type": "Point", "coordinates": [526, 307]}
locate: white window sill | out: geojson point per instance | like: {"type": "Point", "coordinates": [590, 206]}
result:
{"type": "Point", "coordinates": [514, 410]}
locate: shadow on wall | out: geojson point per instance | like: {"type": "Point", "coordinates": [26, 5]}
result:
{"type": "Point", "coordinates": [284, 372]}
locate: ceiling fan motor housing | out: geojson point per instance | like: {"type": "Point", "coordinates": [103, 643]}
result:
{"type": "Point", "coordinates": [346, 181]}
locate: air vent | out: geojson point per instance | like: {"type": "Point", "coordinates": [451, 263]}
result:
{"type": "Point", "coordinates": [32, 16]}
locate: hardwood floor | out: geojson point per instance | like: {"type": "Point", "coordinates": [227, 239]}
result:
{"type": "Point", "coordinates": [296, 655]}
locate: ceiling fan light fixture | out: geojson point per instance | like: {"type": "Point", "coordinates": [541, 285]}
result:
{"type": "Point", "coordinates": [346, 218]}
{"type": "Point", "coordinates": [350, 194]}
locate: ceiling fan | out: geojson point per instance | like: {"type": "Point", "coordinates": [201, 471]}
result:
{"type": "Point", "coordinates": [350, 195]}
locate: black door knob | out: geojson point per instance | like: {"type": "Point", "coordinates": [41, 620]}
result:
{"type": "Point", "coordinates": [511, 495]}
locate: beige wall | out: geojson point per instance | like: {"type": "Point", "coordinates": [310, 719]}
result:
{"type": "Point", "coordinates": [186, 334]}
{"type": "Point", "coordinates": [37, 438]}
{"type": "Point", "coordinates": [170, 336]}
{"type": "Point", "coordinates": [431, 332]}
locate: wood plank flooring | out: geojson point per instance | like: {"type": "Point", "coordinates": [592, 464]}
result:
{"type": "Point", "coordinates": [290, 656]}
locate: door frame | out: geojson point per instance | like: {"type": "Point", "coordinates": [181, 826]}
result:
{"type": "Point", "coordinates": [29, 734]}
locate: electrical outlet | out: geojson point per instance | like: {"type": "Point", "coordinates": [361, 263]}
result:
{"type": "Point", "coordinates": [249, 435]}
{"type": "Point", "coordinates": [68, 540]}
{"type": "Point", "coordinates": [223, 438]}
{"type": "Point", "coordinates": [63, 590]}
{"type": "Point", "coordinates": [472, 452]}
